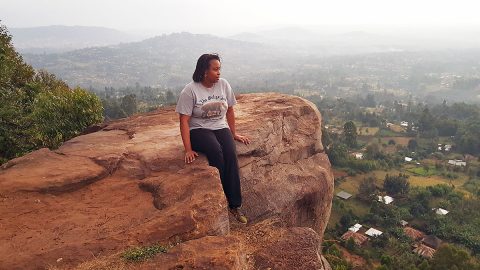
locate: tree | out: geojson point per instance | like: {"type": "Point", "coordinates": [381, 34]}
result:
{"type": "Point", "coordinates": [370, 101]}
{"type": "Point", "coordinates": [424, 265]}
{"type": "Point", "coordinates": [367, 188]}
{"type": "Point", "coordinates": [386, 260]}
{"type": "Point", "coordinates": [37, 109]}
{"type": "Point", "coordinates": [337, 154]}
{"type": "Point", "coordinates": [412, 145]}
{"type": "Point", "coordinates": [326, 139]}
{"type": "Point", "coordinates": [396, 184]}
{"type": "Point", "coordinates": [112, 110]}
{"type": "Point", "coordinates": [449, 257]}
{"type": "Point", "coordinates": [347, 219]}
{"type": "Point", "coordinates": [72, 111]}
{"type": "Point", "coordinates": [170, 97]}
{"type": "Point", "coordinates": [129, 104]}
{"type": "Point", "coordinates": [373, 151]}
{"type": "Point", "coordinates": [426, 124]}
{"type": "Point", "coordinates": [350, 244]}
{"type": "Point", "coordinates": [350, 133]}
{"type": "Point", "coordinates": [467, 138]}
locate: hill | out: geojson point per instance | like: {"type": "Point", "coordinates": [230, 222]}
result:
{"type": "Point", "coordinates": [61, 38]}
{"type": "Point", "coordinates": [164, 60]}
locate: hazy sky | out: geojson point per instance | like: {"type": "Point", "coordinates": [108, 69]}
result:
{"type": "Point", "coordinates": [229, 16]}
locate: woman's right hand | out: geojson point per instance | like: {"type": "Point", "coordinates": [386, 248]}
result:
{"type": "Point", "coordinates": [190, 156]}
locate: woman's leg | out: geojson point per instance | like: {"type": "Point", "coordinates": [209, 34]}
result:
{"type": "Point", "coordinates": [231, 180]}
{"type": "Point", "coordinates": [207, 142]}
{"type": "Point", "coordinates": [204, 141]}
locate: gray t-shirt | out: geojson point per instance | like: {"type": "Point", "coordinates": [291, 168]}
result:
{"type": "Point", "coordinates": [206, 106]}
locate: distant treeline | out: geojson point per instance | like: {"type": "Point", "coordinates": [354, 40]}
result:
{"type": "Point", "coordinates": [126, 101]}
{"type": "Point", "coordinates": [461, 121]}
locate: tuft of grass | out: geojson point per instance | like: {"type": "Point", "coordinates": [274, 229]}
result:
{"type": "Point", "coordinates": [137, 254]}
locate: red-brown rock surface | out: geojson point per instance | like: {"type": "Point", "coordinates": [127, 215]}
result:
{"type": "Point", "coordinates": [127, 185]}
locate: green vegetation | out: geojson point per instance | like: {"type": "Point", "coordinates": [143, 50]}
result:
{"type": "Point", "coordinates": [423, 171]}
{"type": "Point", "coordinates": [38, 110]}
{"type": "Point", "coordinates": [449, 257]}
{"type": "Point", "coordinates": [335, 257]}
{"type": "Point", "coordinates": [396, 185]}
{"type": "Point", "coordinates": [350, 133]}
{"type": "Point", "coordinates": [137, 254]}
{"type": "Point", "coordinates": [418, 186]}
{"type": "Point", "coordinates": [126, 101]}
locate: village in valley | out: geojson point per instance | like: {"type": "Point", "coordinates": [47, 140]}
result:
{"type": "Point", "coordinates": [407, 185]}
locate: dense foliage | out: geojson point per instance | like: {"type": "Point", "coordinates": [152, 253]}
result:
{"type": "Point", "coordinates": [37, 109]}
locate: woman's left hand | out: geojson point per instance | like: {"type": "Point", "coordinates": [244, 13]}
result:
{"type": "Point", "coordinates": [243, 139]}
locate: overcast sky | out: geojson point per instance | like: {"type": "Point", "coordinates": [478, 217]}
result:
{"type": "Point", "coordinates": [229, 16]}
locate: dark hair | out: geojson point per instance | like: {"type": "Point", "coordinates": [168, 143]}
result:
{"type": "Point", "coordinates": [203, 63]}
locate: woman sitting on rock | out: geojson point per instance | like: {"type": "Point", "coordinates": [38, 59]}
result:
{"type": "Point", "coordinates": [203, 106]}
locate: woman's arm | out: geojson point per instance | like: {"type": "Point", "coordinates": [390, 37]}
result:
{"type": "Point", "coordinates": [185, 132]}
{"type": "Point", "coordinates": [231, 124]}
{"type": "Point", "coordinates": [231, 120]}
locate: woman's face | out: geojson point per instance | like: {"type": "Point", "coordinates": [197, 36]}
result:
{"type": "Point", "coordinates": [212, 74]}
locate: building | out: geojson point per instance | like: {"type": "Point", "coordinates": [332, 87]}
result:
{"type": "Point", "coordinates": [440, 211]}
{"type": "Point", "coordinates": [457, 162]}
{"type": "Point", "coordinates": [358, 155]}
{"type": "Point", "coordinates": [413, 234]}
{"type": "Point", "coordinates": [408, 159]}
{"type": "Point", "coordinates": [358, 239]}
{"type": "Point", "coordinates": [424, 251]}
{"type": "Point", "coordinates": [385, 199]}
{"type": "Point", "coordinates": [355, 227]}
{"type": "Point", "coordinates": [373, 232]}
{"type": "Point", "coordinates": [404, 124]}
{"type": "Point", "coordinates": [403, 223]}
{"type": "Point", "coordinates": [344, 195]}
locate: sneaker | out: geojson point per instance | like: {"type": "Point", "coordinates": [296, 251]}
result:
{"type": "Point", "coordinates": [237, 213]}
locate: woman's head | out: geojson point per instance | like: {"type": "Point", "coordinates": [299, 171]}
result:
{"type": "Point", "coordinates": [208, 68]}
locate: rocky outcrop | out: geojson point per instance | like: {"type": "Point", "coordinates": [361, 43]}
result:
{"type": "Point", "coordinates": [127, 185]}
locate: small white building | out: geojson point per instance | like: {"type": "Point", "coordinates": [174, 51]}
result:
{"type": "Point", "coordinates": [440, 211]}
{"type": "Point", "coordinates": [344, 195]}
{"type": "Point", "coordinates": [385, 199]}
{"type": "Point", "coordinates": [373, 232]}
{"type": "Point", "coordinates": [408, 159]}
{"type": "Point", "coordinates": [358, 155]}
{"type": "Point", "coordinates": [448, 147]}
{"type": "Point", "coordinates": [355, 227]}
{"type": "Point", "coordinates": [404, 124]}
{"type": "Point", "coordinates": [457, 162]}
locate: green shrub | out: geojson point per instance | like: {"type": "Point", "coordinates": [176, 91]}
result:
{"type": "Point", "coordinates": [136, 254]}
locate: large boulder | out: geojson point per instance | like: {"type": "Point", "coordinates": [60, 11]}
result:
{"type": "Point", "coordinates": [127, 185]}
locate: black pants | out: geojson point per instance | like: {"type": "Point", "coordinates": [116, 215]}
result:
{"type": "Point", "coordinates": [219, 147]}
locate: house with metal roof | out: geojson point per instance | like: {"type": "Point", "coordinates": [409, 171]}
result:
{"type": "Point", "coordinates": [344, 195]}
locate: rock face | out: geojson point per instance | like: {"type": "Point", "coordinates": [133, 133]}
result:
{"type": "Point", "coordinates": [127, 185]}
